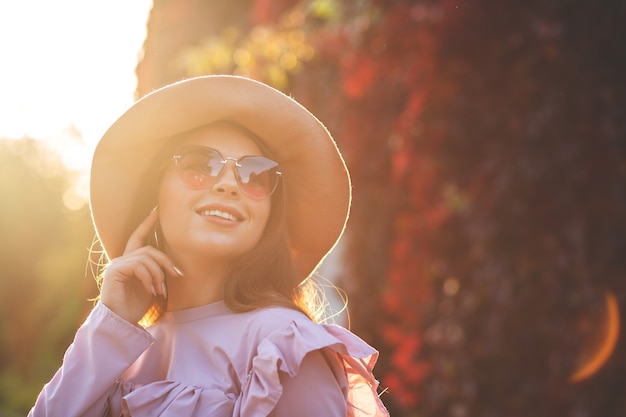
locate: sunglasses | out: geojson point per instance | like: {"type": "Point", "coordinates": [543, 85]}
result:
{"type": "Point", "coordinates": [199, 167]}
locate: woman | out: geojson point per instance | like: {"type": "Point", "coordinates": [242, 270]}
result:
{"type": "Point", "coordinates": [214, 198]}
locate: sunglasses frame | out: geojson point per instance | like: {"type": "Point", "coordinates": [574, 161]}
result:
{"type": "Point", "coordinates": [183, 150]}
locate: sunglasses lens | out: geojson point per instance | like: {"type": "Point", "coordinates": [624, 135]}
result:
{"type": "Point", "coordinates": [258, 176]}
{"type": "Point", "coordinates": [199, 168]}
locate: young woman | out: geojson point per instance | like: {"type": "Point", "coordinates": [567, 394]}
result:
{"type": "Point", "coordinates": [215, 199]}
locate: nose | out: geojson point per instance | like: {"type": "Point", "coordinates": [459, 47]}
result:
{"type": "Point", "coordinates": [226, 183]}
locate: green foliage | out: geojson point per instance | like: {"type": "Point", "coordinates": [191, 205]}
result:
{"type": "Point", "coordinates": [266, 52]}
{"type": "Point", "coordinates": [44, 285]}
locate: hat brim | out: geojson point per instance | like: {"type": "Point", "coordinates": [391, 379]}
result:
{"type": "Point", "coordinates": [315, 176]}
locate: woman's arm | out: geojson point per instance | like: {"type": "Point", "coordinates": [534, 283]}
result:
{"type": "Point", "coordinates": [109, 341]}
{"type": "Point", "coordinates": [103, 348]}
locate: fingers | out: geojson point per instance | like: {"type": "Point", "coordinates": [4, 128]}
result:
{"type": "Point", "coordinates": [158, 266]}
{"type": "Point", "coordinates": [151, 277]}
{"type": "Point", "coordinates": [139, 237]}
{"type": "Point", "coordinates": [154, 270]}
{"type": "Point", "coordinates": [132, 280]}
{"type": "Point", "coordinates": [147, 264]}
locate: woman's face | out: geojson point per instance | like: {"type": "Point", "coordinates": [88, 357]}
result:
{"type": "Point", "coordinates": [219, 221]}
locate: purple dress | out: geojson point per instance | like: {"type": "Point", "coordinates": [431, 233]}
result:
{"type": "Point", "coordinates": [211, 361]}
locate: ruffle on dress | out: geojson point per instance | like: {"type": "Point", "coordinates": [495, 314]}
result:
{"type": "Point", "coordinates": [169, 398]}
{"type": "Point", "coordinates": [283, 350]}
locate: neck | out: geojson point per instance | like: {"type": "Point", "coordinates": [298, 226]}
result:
{"type": "Point", "coordinates": [201, 284]}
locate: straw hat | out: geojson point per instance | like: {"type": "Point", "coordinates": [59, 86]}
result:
{"type": "Point", "coordinates": [123, 191]}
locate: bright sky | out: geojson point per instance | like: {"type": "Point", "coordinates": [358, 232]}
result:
{"type": "Point", "coordinates": [68, 65]}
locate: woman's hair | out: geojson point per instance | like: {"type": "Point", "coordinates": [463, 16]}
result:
{"type": "Point", "coordinates": [266, 275]}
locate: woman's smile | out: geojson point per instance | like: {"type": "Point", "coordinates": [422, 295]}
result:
{"type": "Point", "coordinates": [220, 214]}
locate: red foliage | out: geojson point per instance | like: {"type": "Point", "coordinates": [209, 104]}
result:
{"type": "Point", "coordinates": [385, 73]}
{"type": "Point", "coordinates": [358, 72]}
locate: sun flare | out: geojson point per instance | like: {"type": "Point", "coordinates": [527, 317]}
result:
{"type": "Point", "coordinates": [599, 357]}
{"type": "Point", "coordinates": [67, 63]}
{"type": "Point", "coordinates": [68, 70]}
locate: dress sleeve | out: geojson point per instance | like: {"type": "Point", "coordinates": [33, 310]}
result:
{"type": "Point", "coordinates": [314, 391]}
{"type": "Point", "coordinates": [103, 348]}
{"type": "Point", "coordinates": [335, 365]}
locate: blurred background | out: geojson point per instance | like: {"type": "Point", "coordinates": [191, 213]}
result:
{"type": "Point", "coordinates": [486, 251]}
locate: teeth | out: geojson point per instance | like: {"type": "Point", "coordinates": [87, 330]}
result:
{"type": "Point", "coordinates": [220, 214]}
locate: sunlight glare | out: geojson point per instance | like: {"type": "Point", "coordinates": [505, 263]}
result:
{"type": "Point", "coordinates": [68, 71]}
{"type": "Point", "coordinates": [67, 62]}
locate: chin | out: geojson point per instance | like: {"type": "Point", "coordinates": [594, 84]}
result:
{"type": "Point", "coordinates": [220, 248]}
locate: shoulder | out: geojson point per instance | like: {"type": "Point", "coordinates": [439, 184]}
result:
{"type": "Point", "coordinates": [264, 321]}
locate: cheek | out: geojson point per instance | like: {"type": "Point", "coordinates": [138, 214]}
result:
{"type": "Point", "coordinates": [264, 213]}
{"type": "Point", "coordinates": [168, 198]}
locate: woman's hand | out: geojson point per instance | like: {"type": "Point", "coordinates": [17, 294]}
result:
{"type": "Point", "coordinates": [132, 281]}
